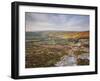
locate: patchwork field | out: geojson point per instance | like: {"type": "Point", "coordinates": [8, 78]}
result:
{"type": "Point", "coordinates": [56, 48]}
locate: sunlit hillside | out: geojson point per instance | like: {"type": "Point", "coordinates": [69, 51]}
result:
{"type": "Point", "coordinates": [77, 35]}
{"type": "Point", "coordinates": [69, 35]}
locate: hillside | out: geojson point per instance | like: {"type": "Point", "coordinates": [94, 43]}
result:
{"type": "Point", "coordinates": [70, 35]}
{"type": "Point", "coordinates": [56, 48]}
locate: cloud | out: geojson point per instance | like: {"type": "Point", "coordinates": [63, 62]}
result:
{"type": "Point", "coordinates": [47, 21]}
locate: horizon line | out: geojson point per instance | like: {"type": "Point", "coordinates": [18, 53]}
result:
{"type": "Point", "coordinates": [57, 30]}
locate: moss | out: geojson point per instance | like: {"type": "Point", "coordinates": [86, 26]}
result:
{"type": "Point", "coordinates": [82, 62]}
{"type": "Point", "coordinates": [79, 52]}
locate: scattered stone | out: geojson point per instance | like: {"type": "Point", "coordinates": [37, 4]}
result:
{"type": "Point", "coordinates": [83, 56]}
{"type": "Point", "coordinates": [67, 61]}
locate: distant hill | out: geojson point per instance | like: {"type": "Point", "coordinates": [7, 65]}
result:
{"type": "Point", "coordinates": [77, 35]}
{"type": "Point", "coordinates": [70, 35]}
{"type": "Point", "coordinates": [58, 34]}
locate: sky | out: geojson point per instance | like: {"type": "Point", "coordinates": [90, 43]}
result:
{"type": "Point", "coordinates": [56, 22]}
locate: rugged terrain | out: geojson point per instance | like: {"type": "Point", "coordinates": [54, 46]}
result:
{"type": "Point", "coordinates": [56, 48]}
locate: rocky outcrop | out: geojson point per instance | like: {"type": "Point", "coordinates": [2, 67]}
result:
{"type": "Point", "coordinates": [72, 60]}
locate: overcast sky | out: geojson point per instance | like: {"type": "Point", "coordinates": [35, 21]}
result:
{"type": "Point", "coordinates": [51, 21]}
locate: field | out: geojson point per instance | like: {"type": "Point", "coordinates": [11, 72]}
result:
{"type": "Point", "coordinates": [56, 48]}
